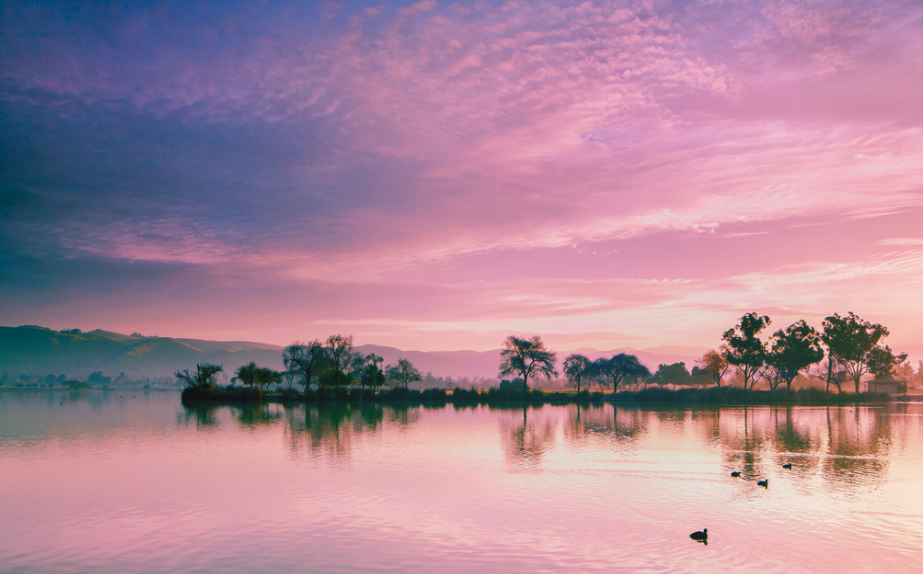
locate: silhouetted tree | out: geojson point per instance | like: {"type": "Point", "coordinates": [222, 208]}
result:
{"type": "Point", "coordinates": [793, 350]}
{"type": "Point", "coordinates": [527, 358]}
{"type": "Point", "coordinates": [701, 378]}
{"type": "Point", "coordinates": [246, 374]}
{"type": "Point", "coordinates": [98, 378]}
{"type": "Point", "coordinates": [305, 361]}
{"type": "Point", "coordinates": [675, 374]}
{"type": "Point", "coordinates": [367, 370]}
{"type": "Point", "coordinates": [614, 370]}
{"type": "Point", "coordinates": [831, 371]}
{"type": "Point", "coordinates": [851, 340]}
{"type": "Point", "coordinates": [882, 360]}
{"type": "Point", "coordinates": [250, 375]}
{"type": "Point", "coordinates": [715, 364]}
{"type": "Point", "coordinates": [575, 369]}
{"type": "Point", "coordinates": [403, 373]}
{"type": "Point", "coordinates": [203, 378]}
{"type": "Point", "coordinates": [341, 356]}
{"type": "Point", "coordinates": [744, 350]}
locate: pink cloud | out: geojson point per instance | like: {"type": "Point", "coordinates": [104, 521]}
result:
{"type": "Point", "coordinates": [468, 148]}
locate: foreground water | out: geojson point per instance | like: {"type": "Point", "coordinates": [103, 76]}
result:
{"type": "Point", "coordinates": [98, 482]}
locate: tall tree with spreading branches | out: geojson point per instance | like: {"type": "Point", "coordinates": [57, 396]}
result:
{"type": "Point", "coordinates": [305, 361]}
{"type": "Point", "coordinates": [527, 358]}
{"type": "Point", "coordinates": [403, 373]}
{"type": "Point", "coordinates": [792, 351]}
{"type": "Point", "coordinates": [575, 369]}
{"type": "Point", "coordinates": [744, 349]}
{"type": "Point", "coordinates": [340, 356]}
{"type": "Point", "coordinates": [611, 372]}
{"type": "Point", "coordinates": [850, 340]}
{"type": "Point", "coordinates": [882, 360]}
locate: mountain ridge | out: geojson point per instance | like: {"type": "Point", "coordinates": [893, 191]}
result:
{"type": "Point", "coordinates": [37, 350]}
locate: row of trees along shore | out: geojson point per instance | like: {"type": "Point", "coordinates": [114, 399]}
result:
{"type": "Point", "coordinates": [332, 364]}
{"type": "Point", "coordinates": [845, 349]}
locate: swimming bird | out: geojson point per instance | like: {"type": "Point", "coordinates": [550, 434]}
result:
{"type": "Point", "coordinates": [700, 535]}
{"type": "Point", "coordinates": [764, 483]}
{"type": "Point", "coordinates": [735, 474]}
{"type": "Point", "coordinates": [787, 465]}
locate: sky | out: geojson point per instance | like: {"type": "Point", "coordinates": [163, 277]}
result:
{"type": "Point", "coordinates": [435, 176]}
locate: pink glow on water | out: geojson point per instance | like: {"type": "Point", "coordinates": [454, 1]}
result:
{"type": "Point", "coordinates": [143, 484]}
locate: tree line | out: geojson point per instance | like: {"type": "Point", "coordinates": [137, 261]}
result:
{"type": "Point", "coordinates": [845, 349]}
{"type": "Point", "coordinates": [332, 363]}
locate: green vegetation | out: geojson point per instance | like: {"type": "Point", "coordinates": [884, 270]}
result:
{"type": "Point", "coordinates": [852, 343]}
{"type": "Point", "coordinates": [527, 358]}
{"type": "Point", "coordinates": [575, 369]}
{"type": "Point", "coordinates": [253, 376]}
{"type": "Point", "coordinates": [793, 350]}
{"type": "Point", "coordinates": [403, 373]}
{"type": "Point", "coordinates": [334, 371]}
{"type": "Point", "coordinates": [743, 348]}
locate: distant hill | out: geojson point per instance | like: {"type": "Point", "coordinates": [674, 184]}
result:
{"type": "Point", "coordinates": [35, 350]}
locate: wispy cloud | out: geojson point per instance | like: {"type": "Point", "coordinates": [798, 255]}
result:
{"type": "Point", "coordinates": [438, 161]}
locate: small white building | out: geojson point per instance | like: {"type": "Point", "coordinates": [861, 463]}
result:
{"type": "Point", "coordinates": [887, 384]}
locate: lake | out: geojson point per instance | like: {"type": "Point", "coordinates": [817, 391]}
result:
{"type": "Point", "coordinates": [135, 482]}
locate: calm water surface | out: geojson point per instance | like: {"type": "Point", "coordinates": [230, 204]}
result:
{"type": "Point", "coordinates": [110, 483]}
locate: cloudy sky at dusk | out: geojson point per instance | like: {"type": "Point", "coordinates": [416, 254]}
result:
{"type": "Point", "coordinates": [438, 175]}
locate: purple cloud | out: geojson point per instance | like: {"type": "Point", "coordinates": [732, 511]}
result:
{"type": "Point", "coordinates": [417, 169]}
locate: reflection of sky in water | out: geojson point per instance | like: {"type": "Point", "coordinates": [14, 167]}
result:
{"type": "Point", "coordinates": [139, 483]}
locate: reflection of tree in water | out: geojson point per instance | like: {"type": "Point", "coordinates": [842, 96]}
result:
{"type": "Point", "coordinates": [251, 416]}
{"type": "Point", "coordinates": [583, 419]}
{"type": "Point", "coordinates": [628, 425]}
{"type": "Point", "coordinates": [788, 436]}
{"type": "Point", "coordinates": [622, 424]}
{"type": "Point", "coordinates": [369, 419]}
{"type": "Point", "coordinates": [330, 429]}
{"type": "Point", "coordinates": [203, 415]}
{"type": "Point", "coordinates": [403, 417]}
{"type": "Point", "coordinates": [707, 422]}
{"type": "Point", "coordinates": [792, 438]}
{"type": "Point", "coordinates": [847, 446]}
{"type": "Point", "coordinates": [858, 445]}
{"type": "Point", "coordinates": [743, 437]}
{"type": "Point", "coordinates": [527, 439]}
